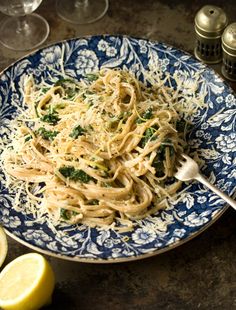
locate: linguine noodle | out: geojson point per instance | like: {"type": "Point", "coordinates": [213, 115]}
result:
{"type": "Point", "coordinates": [100, 151]}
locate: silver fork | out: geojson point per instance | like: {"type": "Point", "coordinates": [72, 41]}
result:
{"type": "Point", "coordinates": [188, 170]}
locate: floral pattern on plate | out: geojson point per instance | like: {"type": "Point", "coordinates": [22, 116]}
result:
{"type": "Point", "coordinates": [213, 137]}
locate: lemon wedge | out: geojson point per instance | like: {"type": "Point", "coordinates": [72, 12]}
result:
{"type": "Point", "coordinates": [3, 246]}
{"type": "Point", "coordinates": [26, 283]}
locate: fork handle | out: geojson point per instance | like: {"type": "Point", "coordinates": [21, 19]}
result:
{"type": "Point", "coordinates": [212, 187]}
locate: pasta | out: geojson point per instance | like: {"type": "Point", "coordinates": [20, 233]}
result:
{"type": "Point", "coordinates": [100, 151]}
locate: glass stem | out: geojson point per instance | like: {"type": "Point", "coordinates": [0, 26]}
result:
{"type": "Point", "coordinates": [22, 25]}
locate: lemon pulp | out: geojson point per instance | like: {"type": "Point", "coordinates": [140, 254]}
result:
{"type": "Point", "coordinates": [3, 246]}
{"type": "Point", "coordinates": [26, 283]}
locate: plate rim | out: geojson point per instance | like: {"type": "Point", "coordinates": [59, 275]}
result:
{"type": "Point", "coordinates": [38, 49]}
{"type": "Point", "coordinates": [134, 257]}
{"type": "Point", "coordinates": [124, 259]}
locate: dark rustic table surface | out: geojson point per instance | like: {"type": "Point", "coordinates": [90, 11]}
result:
{"type": "Point", "coordinates": [200, 274]}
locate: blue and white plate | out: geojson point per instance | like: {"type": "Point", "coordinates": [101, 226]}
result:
{"type": "Point", "coordinates": [214, 138]}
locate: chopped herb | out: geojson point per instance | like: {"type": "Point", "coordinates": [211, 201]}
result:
{"type": "Point", "coordinates": [51, 118]}
{"type": "Point", "coordinates": [158, 162]}
{"type": "Point", "coordinates": [64, 82]}
{"type": "Point", "coordinates": [146, 115]}
{"type": "Point", "coordinates": [148, 136]}
{"type": "Point", "coordinates": [70, 93]}
{"type": "Point", "coordinates": [159, 166]}
{"type": "Point", "coordinates": [91, 77]}
{"type": "Point", "coordinates": [45, 89]}
{"type": "Point", "coordinates": [28, 137]}
{"type": "Point", "coordinates": [77, 131]}
{"type": "Point", "coordinates": [67, 214]}
{"type": "Point", "coordinates": [47, 134]}
{"type": "Point", "coordinates": [69, 86]}
{"type": "Point", "coordinates": [75, 174]}
{"type": "Point", "coordinates": [67, 171]}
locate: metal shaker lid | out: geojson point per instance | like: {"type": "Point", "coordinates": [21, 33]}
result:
{"type": "Point", "coordinates": [210, 21]}
{"type": "Point", "coordinates": [229, 39]}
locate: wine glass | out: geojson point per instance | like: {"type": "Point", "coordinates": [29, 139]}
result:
{"type": "Point", "coordinates": [81, 11]}
{"type": "Point", "coordinates": [22, 30]}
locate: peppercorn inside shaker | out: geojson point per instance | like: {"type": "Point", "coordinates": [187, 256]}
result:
{"type": "Point", "coordinates": [229, 52]}
{"type": "Point", "coordinates": [210, 22]}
